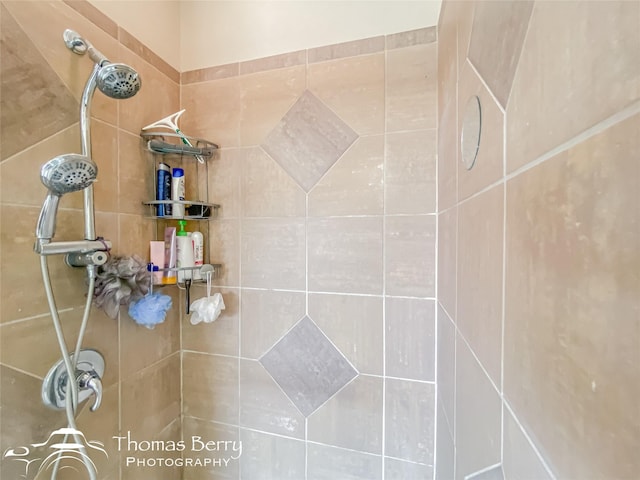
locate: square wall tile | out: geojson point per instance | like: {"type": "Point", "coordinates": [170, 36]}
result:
{"type": "Point", "coordinates": [264, 406]}
{"type": "Point", "coordinates": [464, 24]}
{"type": "Point", "coordinates": [20, 269]}
{"type": "Point", "coordinates": [410, 172]}
{"type": "Point", "coordinates": [309, 139]}
{"type": "Point", "coordinates": [520, 460]}
{"type": "Point", "coordinates": [480, 258]}
{"type": "Point", "coordinates": [225, 176]}
{"type": "Point", "coordinates": [140, 347]}
{"type": "Point", "coordinates": [447, 57]}
{"type": "Point", "coordinates": [354, 325]}
{"type": "Point", "coordinates": [273, 253]}
{"type": "Point", "coordinates": [221, 124]}
{"type": "Point", "coordinates": [329, 463]}
{"type": "Point", "coordinates": [106, 151]}
{"type": "Point", "coordinates": [489, 163]}
{"type": "Point", "coordinates": [210, 387]}
{"type": "Point", "coordinates": [353, 87]}
{"type": "Point", "coordinates": [224, 248]}
{"type": "Point", "coordinates": [557, 54]}
{"type": "Point", "coordinates": [30, 89]}
{"type": "Point", "coordinates": [266, 316]}
{"type": "Point", "coordinates": [307, 366]}
{"type": "Point", "coordinates": [135, 232]}
{"type": "Point", "coordinates": [499, 29]}
{"type": "Point", "coordinates": [410, 338]}
{"type": "Point", "coordinates": [410, 251]}
{"type": "Point", "coordinates": [447, 259]}
{"type": "Point", "coordinates": [27, 189]}
{"type": "Point", "coordinates": [410, 419]}
{"type": "Point", "coordinates": [150, 400]}
{"type": "Point", "coordinates": [352, 418]}
{"type": "Point", "coordinates": [571, 323]}
{"type": "Point", "coordinates": [446, 379]}
{"type": "Point", "coordinates": [445, 449]}
{"type": "Point", "coordinates": [159, 96]}
{"type": "Point", "coordinates": [354, 185]}
{"type": "Point", "coordinates": [345, 255]}
{"type": "Point", "coordinates": [39, 334]}
{"type": "Point", "coordinates": [43, 24]}
{"type": "Point", "coordinates": [265, 97]}
{"type": "Point", "coordinates": [25, 419]}
{"type": "Point", "coordinates": [268, 456]}
{"type": "Point", "coordinates": [448, 156]}
{"type": "Point", "coordinates": [478, 415]}
{"type": "Point", "coordinates": [411, 87]}
{"type": "Point", "coordinates": [135, 167]}
{"type": "Point", "coordinates": [216, 432]}
{"type": "Point", "coordinates": [267, 190]}
{"type": "Point", "coordinates": [221, 336]}
{"type": "Point", "coordinates": [400, 470]}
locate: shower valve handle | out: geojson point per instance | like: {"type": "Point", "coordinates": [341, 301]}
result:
{"type": "Point", "coordinates": [91, 381]}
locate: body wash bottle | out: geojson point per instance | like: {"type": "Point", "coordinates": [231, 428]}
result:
{"type": "Point", "coordinates": [185, 252]}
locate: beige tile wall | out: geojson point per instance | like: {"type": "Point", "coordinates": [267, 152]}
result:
{"type": "Point", "coordinates": [356, 254]}
{"type": "Point", "coordinates": [538, 243]}
{"type": "Point", "coordinates": [142, 377]}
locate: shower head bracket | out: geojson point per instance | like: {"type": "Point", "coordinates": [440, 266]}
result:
{"type": "Point", "coordinates": [75, 42]}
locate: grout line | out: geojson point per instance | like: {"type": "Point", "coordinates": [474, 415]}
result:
{"type": "Point", "coordinates": [44, 140]}
{"type": "Point", "coordinates": [150, 367]}
{"type": "Point", "coordinates": [38, 316]}
{"type": "Point", "coordinates": [504, 280]}
{"type": "Point", "coordinates": [436, 348]}
{"type": "Point", "coordinates": [495, 387]}
{"type": "Point", "coordinates": [23, 372]}
{"type": "Point", "coordinates": [334, 395]}
{"type": "Point", "coordinates": [182, 324]}
{"type": "Point", "coordinates": [529, 439]}
{"type": "Point", "coordinates": [486, 86]}
{"type": "Point", "coordinates": [480, 472]}
{"type": "Point", "coordinates": [581, 137]}
{"type": "Point", "coordinates": [384, 264]}
{"type": "Point", "coordinates": [457, 215]}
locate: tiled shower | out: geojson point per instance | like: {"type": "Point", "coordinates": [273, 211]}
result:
{"type": "Point", "coordinates": [342, 197]}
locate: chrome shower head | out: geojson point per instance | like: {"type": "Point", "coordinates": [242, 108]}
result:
{"type": "Point", "coordinates": [117, 80]}
{"type": "Point", "coordinates": [63, 174]}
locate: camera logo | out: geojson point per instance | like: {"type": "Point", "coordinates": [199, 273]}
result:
{"type": "Point", "coordinates": [66, 448]}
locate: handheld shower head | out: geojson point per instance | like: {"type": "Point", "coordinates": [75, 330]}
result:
{"type": "Point", "coordinates": [63, 174]}
{"type": "Point", "coordinates": [117, 80]}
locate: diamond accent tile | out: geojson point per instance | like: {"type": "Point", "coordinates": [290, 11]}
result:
{"type": "Point", "coordinates": [309, 139]}
{"type": "Point", "coordinates": [307, 366]}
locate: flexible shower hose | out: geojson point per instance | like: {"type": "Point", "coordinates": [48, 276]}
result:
{"type": "Point", "coordinates": [71, 401]}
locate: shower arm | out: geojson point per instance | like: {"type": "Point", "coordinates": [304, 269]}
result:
{"type": "Point", "coordinates": [85, 138]}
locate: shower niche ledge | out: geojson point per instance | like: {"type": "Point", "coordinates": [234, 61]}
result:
{"type": "Point", "coordinates": [172, 150]}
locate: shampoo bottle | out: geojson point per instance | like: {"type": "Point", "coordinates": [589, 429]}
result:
{"type": "Point", "coordinates": [177, 192]}
{"type": "Point", "coordinates": [185, 252]}
{"type": "Point", "coordinates": [163, 189]}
